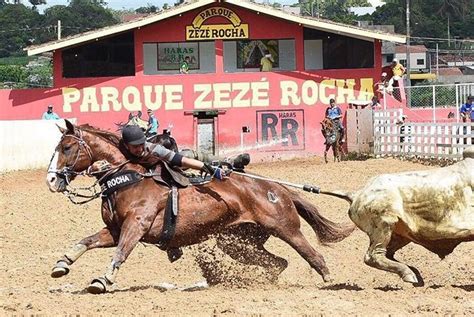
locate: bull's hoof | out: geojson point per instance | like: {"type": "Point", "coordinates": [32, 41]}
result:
{"type": "Point", "coordinates": [327, 278]}
{"type": "Point", "coordinates": [410, 278]}
{"type": "Point", "coordinates": [97, 286]}
{"type": "Point", "coordinates": [61, 269]}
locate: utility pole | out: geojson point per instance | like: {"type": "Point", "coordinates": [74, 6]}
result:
{"type": "Point", "coordinates": [437, 58]}
{"type": "Point", "coordinates": [59, 29]}
{"type": "Point", "coordinates": [408, 53]}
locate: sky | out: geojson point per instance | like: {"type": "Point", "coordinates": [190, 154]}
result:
{"type": "Point", "coordinates": [133, 4]}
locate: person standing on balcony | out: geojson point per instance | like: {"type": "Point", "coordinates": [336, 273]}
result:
{"type": "Point", "coordinates": [398, 70]}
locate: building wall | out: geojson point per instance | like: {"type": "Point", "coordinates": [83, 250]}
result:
{"type": "Point", "coordinates": [283, 109]}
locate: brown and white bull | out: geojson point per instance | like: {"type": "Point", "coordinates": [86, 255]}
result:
{"type": "Point", "coordinates": [433, 208]}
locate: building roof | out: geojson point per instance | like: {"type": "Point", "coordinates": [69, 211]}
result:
{"type": "Point", "coordinates": [402, 49]}
{"type": "Point", "coordinates": [315, 23]}
{"type": "Point", "coordinates": [450, 71]}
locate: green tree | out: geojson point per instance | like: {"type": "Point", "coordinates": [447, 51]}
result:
{"type": "Point", "coordinates": [148, 9]}
{"type": "Point", "coordinates": [20, 25]}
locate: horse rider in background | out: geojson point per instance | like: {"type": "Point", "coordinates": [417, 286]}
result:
{"type": "Point", "coordinates": [334, 113]}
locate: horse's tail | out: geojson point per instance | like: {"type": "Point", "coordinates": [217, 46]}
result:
{"type": "Point", "coordinates": [326, 230]}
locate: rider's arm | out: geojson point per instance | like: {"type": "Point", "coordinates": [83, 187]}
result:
{"type": "Point", "coordinates": [174, 159]}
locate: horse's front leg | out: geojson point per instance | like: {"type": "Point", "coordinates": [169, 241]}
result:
{"type": "Point", "coordinates": [326, 153]}
{"type": "Point", "coordinates": [133, 230]}
{"type": "Point", "coordinates": [334, 151]}
{"type": "Point", "coordinates": [102, 239]}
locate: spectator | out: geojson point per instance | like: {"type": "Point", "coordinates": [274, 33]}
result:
{"type": "Point", "coordinates": [466, 110]}
{"type": "Point", "coordinates": [398, 70]}
{"type": "Point", "coordinates": [266, 63]}
{"type": "Point", "coordinates": [184, 66]}
{"type": "Point", "coordinates": [153, 123]}
{"type": "Point", "coordinates": [381, 85]}
{"type": "Point", "coordinates": [49, 114]}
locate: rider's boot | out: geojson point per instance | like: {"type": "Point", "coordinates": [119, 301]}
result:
{"type": "Point", "coordinates": [341, 140]}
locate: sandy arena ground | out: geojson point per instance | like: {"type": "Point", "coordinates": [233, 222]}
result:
{"type": "Point", "coordinates": [37, 226]}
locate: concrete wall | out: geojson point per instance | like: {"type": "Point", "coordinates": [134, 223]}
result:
{"type": "Point", "coordinates": [455, 79]}
{"type": "Point", "coordinates": [28, 144]}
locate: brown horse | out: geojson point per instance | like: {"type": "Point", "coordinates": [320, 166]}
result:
{"type": "Point", "coordinates": [332, 137]}
{"type": "Point", "coordinates": [246, 208]}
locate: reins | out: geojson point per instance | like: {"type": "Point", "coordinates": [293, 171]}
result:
{"type": "Point", "coordinates": [73, 193]}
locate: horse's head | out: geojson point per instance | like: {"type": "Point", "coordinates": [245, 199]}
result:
{"type": "Point", "coordinates": [71, 156]}
{"type": "Point", "coordinates": [327, 125]}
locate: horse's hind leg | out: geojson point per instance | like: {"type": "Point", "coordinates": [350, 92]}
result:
{"type": "Point", "coordinates": [296, 239]}
{"type": "Point", "coordinates": [246, 245]}
{"type": "Point", "coordinates": [102, 239]}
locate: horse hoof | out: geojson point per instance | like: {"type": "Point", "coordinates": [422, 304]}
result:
{"type": "Point", "coordinates": [327, 278]}
{"type": "Point", "coordinates": [410, 278]}
{"type": "Point", "coordinates": [58, 272]}
{"type": "Point", "coordinates": [97, 286]}
{"type": "Point", "coordinates": [61, 269]}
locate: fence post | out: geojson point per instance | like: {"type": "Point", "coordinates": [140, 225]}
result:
{"type": "Point", "coordinates": [457, 102]}
{"type": "Point", "coordinates": [434, 104]}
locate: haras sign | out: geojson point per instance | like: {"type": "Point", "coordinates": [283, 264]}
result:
{"type": "Point", "coordinates": [200, 31]}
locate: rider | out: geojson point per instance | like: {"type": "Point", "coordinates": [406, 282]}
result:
{"type": "Point", "coordinates": [334, 113]}
{"type": "Point", "coordinates": [134, 141]}
{"type": "Point", "coordinates": [135, 144]}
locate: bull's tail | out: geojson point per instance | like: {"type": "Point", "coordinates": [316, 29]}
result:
{"type": "Point", "coordinates": [326, 230]}
{"type": "Point", "coordinates": [347, 196]}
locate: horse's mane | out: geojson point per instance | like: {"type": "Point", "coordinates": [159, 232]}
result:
{"type": "Point", "coordinates": [111, 137]}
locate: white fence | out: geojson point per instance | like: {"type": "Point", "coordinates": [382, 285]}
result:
{"type": "Point", "coordinates": [28, 144]}
{"type": "Point", "coordinates": [423, 140]}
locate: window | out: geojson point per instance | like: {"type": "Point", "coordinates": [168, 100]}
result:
{"type": "Point", "coordinates": [420, 61]}
{"type": "Point", "coordinates": [165, 58]}
{"type": "Point", "coordinates": [114, 56]}
{"type": "Point", "coordinates": [389, 58]}
{"type": "Point", "coordinates": [245, 55]}
{"type": "Point", "coordinates": [337, 51]}
{"type": "Point", "coordinates": [170, 55]}
{"type": "Point", "coordinates": [249, 53]}
{"type": "Point", "coordinates": [403, 62]}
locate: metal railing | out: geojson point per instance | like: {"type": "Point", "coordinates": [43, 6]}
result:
{"type": "Point", "coordinates": [439, 96]}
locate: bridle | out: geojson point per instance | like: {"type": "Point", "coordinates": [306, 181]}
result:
{"type": "Point", "coordinates": [67, 171]}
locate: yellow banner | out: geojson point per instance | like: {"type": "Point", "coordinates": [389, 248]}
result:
{"type": "Point", "coordinates": [217, 32]}
{"type": "Point", "coordinates": [216, 12]}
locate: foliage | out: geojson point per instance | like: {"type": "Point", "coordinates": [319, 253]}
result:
{"type": "Point", "coordinates": [148, 9]}
{"type": "Point", "coordinates": [13, 76]}
{"type": "Point", "coordinates": [19, 26]}
{"type": "Point", "coordinates": [429, 18]}
{"type": "Point", "coordinates": [33, 75]}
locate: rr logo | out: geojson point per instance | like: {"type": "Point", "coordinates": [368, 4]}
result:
{"type": "Point", "coordinates": [281, 129]}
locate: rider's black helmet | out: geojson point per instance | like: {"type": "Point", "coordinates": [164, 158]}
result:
{"type": "Point", "coordinates": [132, 134]}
